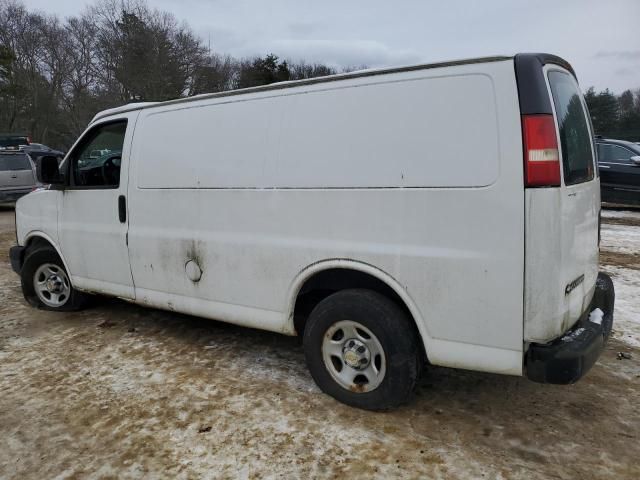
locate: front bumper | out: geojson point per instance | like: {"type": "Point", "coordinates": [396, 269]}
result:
{"type": "Point", "coordinates": [570, 356]}
{"type": "Point", "coordinates": [16, 257]}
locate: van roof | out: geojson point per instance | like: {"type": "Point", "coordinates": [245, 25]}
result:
{"type": "Point", "coordinates": [542, 58]}
{"type": "Point", "coordinates": [122, 108]}
{"type": "Point", "coordinates": [295, 83]}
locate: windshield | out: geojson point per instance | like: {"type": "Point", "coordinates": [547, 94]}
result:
{"type": "Point", "coordinates": [10, 162]}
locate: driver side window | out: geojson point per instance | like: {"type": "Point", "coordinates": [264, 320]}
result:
{"type": "Point", "coordinates": [95, 163]}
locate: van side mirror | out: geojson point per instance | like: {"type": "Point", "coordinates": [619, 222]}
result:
{"type": "Point", "coordinates": [47, 170]}
{"type": "Point", "coordinates": [636, 160]}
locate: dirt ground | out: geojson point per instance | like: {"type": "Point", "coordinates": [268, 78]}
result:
{"type": "Point", "coordinates": [120, 391]}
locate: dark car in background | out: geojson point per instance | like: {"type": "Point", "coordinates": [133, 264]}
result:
{"type": "Point", "coordinates": [17, 175]}
{"type": "Point", "coordinates": [13, 140]}
{"type": "Point", "coordinates": [37, 150]}
{"type": "Point", "coordinates": [41, 149]}
{"type": "Point", "coordinates": [619, 164]}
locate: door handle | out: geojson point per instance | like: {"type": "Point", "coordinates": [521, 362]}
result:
{"type": "Point", "coordinates": [122, 209]}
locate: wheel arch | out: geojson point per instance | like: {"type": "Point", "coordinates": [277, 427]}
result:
{"type": "Point", "coordinates": [362, 275]}
{"type": "Point", "coordinates": [37, 237]}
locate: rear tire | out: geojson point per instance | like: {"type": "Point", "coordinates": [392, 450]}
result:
{"type": "Point", "coordinates": [46, 283]}
{"type": "Point", "coordinates": [362, 349]}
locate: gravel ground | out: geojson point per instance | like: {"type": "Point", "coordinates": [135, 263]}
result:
{"type": "Point", "coordinates": [120, 391]}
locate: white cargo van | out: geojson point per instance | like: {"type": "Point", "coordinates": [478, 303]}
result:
{"type": "Point", "coordinates": [444, 213]}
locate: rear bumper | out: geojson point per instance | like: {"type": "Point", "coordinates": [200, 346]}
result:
{"type": "Point", "coordinates": [570, 356]}
{"type": "Point", "coordinates": [16, 257]}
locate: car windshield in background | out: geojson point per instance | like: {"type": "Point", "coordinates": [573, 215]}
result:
{"type": "Point", "coordinates": [10, 162]}
{"type": "Point", "coordinates": [575, 139]}
{"type": "Point", "coordinates": [13, 141]}
{"type": "Point", "coordinates": [634, 147]}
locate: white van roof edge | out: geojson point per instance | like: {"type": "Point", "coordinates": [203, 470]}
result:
{"type": "Point", "coordinates": [122, 108]}
{"type": "Point", "coordinates": [295, 83]}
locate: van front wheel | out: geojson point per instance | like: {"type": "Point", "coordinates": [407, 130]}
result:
{"type": "Point", "coordinates": [46, 284]}
{"type": "Point", "coordinates": [361, 348]}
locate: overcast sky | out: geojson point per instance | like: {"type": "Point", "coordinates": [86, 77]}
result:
{"type": "Point", "coordinates": [600, 38]}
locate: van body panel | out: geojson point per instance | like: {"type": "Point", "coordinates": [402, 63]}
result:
{"type": "Point", "coordinates": [407, 126]}
{"type": "Point", "coordinates": [37, 216]}
{"type": "Point", "coordinates": [251, 317]}
{"type": "Point", "coordinates": [552, 255]}
{"type": "Point", "coordinates": [254, 221]}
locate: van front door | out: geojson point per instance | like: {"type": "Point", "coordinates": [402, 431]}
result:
{"type": "Point", "coordinates": [92, 223]}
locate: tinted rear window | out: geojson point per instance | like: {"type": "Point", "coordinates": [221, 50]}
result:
{"type": "Point", "coordinates": [575, 139]}
{"type": "Point", "coordinates": [14, 162]}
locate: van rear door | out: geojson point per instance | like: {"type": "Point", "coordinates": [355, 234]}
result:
{"type": "Point", "coordinates": [561, 230]}
{"type": "Point", "coordinates": [580, 195]}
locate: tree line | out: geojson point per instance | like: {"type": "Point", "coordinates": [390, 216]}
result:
{"type": "Point", "coordinates": [615, 116]}
{"type": "Point", "coordinates": [56, 74]}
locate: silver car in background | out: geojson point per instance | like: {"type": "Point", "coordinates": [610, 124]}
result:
{"type": "Point", "coordinates": [17, 175]}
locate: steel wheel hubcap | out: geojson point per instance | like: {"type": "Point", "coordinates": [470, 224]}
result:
{"type": "Point", "coordinates": [356, 354]}
{"type": "Point", "coordinates": [52, 285]}
{"type": "Point", "coordinates": [353, 356]}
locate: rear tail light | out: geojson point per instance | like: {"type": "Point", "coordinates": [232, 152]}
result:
{"type": "Point", "coordinates": [541, 156]}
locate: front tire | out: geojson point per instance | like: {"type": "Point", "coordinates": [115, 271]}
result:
{"type": "Point", "coordinates": [361, 348]}
{"type": "Point", "coordinates": [46, 283]}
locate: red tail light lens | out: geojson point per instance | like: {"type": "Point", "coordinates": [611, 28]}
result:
{"type": "Point", "coordinates": [541, 156]}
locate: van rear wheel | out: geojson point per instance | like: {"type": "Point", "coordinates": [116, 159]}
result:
{"type": "Point", "coordinates": [46, 283]}
{"type": "Point", "coordinates": [361, 348]}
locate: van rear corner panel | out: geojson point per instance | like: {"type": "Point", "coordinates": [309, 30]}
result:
{"type": "Point", "coordinates": [561, 260]}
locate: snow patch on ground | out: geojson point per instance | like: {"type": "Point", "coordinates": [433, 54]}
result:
{"type": "Point", "coordinates": [575, 334]}
{"type": "Point", "coordinates": [623, 239]}
{"type": "Point", "coordinates": [620, 238]}
{"type": "Point", "coordinates": [620, 213]}
{"type": "Point", "coordinates": [626, 316]}
{"type": "Point", "coordinates": [119, 391]}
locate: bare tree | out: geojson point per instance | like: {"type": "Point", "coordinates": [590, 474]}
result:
{"type": "Point", "coordinates": [300, 70]}
{"type": "Point", "coordinates": [55, 75]}
{"type": "Point", "coordinates": [216, 73]}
